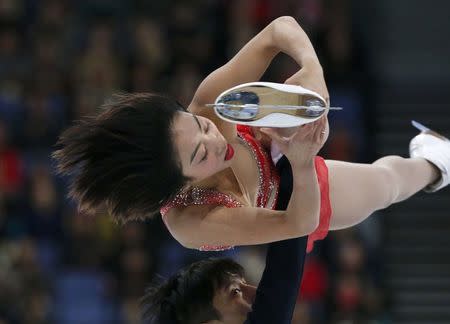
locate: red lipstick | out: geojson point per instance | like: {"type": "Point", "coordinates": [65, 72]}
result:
{"type": "Point", "coordinates": [230, 152]}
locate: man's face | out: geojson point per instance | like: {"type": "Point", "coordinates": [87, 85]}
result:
{"type": "Point", "coordinates": [234, 301]}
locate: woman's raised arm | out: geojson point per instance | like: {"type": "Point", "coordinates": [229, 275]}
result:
{"type": "Point", "coordinates": [283, 34]}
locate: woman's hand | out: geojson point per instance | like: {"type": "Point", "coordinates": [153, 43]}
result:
{"type": "Point", "coordinates": [301, 147]}
{"type": "Point", "coordinates": [310, 76]}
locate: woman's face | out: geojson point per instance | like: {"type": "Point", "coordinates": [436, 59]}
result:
{"type": "Point", "coordinates": [202, 149]}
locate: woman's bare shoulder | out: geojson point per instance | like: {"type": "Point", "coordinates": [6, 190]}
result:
{"type": "Point", "coordinates": [177, 219]}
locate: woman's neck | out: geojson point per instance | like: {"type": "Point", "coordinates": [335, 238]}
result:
{"type": "Point", "coordinates": [220, 181]}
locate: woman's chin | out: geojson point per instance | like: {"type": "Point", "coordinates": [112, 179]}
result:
{"type": "Point", "coordinates": [228, 163]}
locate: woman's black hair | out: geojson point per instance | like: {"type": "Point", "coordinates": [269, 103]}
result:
{"type": "Point", "coordinates": [123, 159]}
{"type": "Point", "coordinates": [187, 296]}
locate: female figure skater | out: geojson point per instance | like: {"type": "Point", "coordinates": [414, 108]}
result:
{"type": "Point", "coordinates": [215, 183]}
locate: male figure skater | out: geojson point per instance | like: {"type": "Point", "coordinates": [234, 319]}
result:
{"type": "Point", "coordinates": [214, 291]}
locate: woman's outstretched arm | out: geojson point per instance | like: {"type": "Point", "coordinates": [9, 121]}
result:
{"type": "Point", "coordinates": [283, 34]}
{"type": "Point", "coordinates": [196, 226]}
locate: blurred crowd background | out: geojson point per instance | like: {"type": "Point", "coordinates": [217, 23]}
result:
{"type": "Point", "coordinates": [60, 59]}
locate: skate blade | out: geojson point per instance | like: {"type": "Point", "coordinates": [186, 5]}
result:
{"type": "Point", "coordinates": [426, 130]}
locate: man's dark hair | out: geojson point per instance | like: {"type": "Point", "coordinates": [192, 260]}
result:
{"type": "Point", "coordinates": [123, 159]}
{"type": "Point", "coordinates": [187, 296]}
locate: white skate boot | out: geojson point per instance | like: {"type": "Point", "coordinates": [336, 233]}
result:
{"type": "Point", "coordinates": [268, 104]}
{"type": "Point", "coordinates": [436, 149]}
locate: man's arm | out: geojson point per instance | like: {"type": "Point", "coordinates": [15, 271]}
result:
{"type": "Point", "coordinates": [278, 289]}
{"type": "Point", "coordinates": [277, 292]}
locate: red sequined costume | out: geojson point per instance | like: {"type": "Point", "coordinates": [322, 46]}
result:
{"type": "Point", "coordinates": [267, 191]}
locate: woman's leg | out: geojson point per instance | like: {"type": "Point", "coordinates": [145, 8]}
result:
{"type": "Point", "coordinates": [357, 190]}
